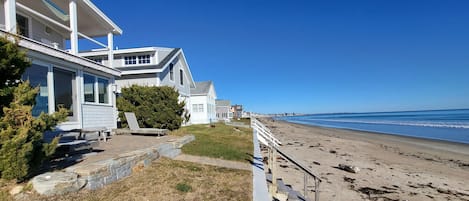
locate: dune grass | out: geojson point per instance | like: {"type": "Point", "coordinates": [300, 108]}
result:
{"type": "Point", "coordinates": [218, 141]}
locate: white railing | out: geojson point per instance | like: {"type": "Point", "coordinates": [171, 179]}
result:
{"type": "Point", "coordinates": [50, 20]}
{"type": "Point", "coordinates": [265, 136]}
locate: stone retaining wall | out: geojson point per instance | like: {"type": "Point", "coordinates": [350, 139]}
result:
{"type": "Point", "coordinates": [101, 173]}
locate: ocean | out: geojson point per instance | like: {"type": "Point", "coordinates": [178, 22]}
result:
{"type": "Point", "coordinates": [447, 125]}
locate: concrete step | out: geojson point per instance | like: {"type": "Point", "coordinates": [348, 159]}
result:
{"type": "Point", "coordinates": [171, 153]}
{"type": "Point", "coordinates": [284, 191]}
{"type": "Point", "coordinates": [73, 147]}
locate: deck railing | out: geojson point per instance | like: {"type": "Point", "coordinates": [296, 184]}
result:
{"type": "Point", "coordinates": [266, 137]}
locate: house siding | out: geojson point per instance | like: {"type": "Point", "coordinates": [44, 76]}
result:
{"type": "Point", "coordinates": [184, 89]}
{"type": "Point", "coordinates": [140, 79]}
{"type": "Point", "coordinates": [98, 116]}
{"type": "Point", "coordinates": [39, 34]}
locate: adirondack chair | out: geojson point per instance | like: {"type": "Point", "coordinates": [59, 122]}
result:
{"type": "Point", "coordinates": [135, 128]}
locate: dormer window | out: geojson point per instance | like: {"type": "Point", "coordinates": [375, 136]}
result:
{"type": "Point", "coordinates": [130, 60]}
{"type": "Point", "coordinates": [144, 59]}
{"type": "Point", "coordinates": [140, 59]}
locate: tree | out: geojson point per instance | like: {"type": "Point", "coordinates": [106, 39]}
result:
{"type": "Point", "coordinates": [13, 63]}
{"type": "Point", "coordinates": [22, 149]}
{"type": "Point", "coordinates": [154, 107]}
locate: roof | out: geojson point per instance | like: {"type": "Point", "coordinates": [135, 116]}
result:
{"type": "Point", "coordinates": [201, 88]}
{"type": "Point", "coordinates": [223, 103]}
{"type": "Point", "coordinates": [166, 56]}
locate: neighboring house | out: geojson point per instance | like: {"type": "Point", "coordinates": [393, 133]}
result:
{"type": "Point", "coordinates": [149, 66]}
{"type": "Point", "coordinates": [44, 27]}
{"type": "Point", "coordinates": [203, 98]}
{"type": "Point", "coordinates": [223, 110]}
{"type": "Point", "coordinates": [237, 111]}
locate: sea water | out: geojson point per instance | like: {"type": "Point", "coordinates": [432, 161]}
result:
{"type": "Point", "coordinates": [447, 125]}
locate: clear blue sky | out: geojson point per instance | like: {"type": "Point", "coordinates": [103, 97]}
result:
{"type": "Point", "coordinates": [313, 56]}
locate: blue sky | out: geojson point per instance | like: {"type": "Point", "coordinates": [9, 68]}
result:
{"type": "Point", "coordinates": [313, 56]}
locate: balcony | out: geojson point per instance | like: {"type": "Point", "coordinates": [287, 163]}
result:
{"type": "Point", "coordinates": [60, 24]}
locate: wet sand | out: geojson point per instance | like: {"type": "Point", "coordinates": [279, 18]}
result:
{"type": "Point", "coordinates": [391, 167]}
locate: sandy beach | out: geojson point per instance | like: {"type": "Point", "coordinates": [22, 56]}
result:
{"type": "Point", "coordinates": [391, 167]}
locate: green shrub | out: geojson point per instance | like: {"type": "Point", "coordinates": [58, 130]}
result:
{"type": "Point", "coordinates": [154, 107]}
{"type": "Point", "coordinates": [22, 149]}
{"type": "Point", "coordinates": [13, 63]}
{"type": "Point", "coordinates": [183, 187]}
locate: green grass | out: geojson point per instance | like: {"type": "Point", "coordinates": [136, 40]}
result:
{"type": "Point", "coordinates": [221, 141]}
{"type": "Point", "coordinates": [183, 187]}
{"type": "Point", "coordinates": [246, 121]}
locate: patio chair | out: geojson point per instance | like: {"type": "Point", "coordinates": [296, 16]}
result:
{"type": "Point", "coordinates": [135, 128]}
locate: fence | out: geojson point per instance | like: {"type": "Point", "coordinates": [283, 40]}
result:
{"type": "Point", "coordinates": [266, 137]}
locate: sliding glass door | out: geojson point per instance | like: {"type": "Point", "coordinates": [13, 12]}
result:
{"type": "Point", "coordinates": [64, 91]}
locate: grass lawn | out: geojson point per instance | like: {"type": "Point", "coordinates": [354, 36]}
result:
{"type": "Point", "coordinates": [246, 121]}
{"type": "Point", "coordinates": [221, 141]}
{"type": "Point", "coordinates": [176, 180]}
{"type": "Point", "coordinates": [169, 180]}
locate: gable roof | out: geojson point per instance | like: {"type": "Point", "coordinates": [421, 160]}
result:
{"type": "Point", "coordinates": [201, 88]}
{"type": "Point", "coordinates": [223, 103]}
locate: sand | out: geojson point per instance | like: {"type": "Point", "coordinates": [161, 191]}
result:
{"type": "Point", "coordinates": [391, 167]}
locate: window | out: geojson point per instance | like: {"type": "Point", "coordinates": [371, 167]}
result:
{"type": "Point", "coordinates": [88, 82]}
{"type": "Point", "coordinates": [130, 60]}
{"type": "Point", "coordinates": [103, 90]}
{"type": "Point", "coordinates": [181, 77]}
{"type": "Point", "coordinates": [198, 107]}
{"type": "Point", "coordinates": [64, 85]}
{"type": "Point", "coordinates": [144, 59]}
{"type": "Point", "coordinates": [171, 72]}
{"type": "Point", "coordinates": [94, 85]}
{"type": "Point", "coordinates": [37, 76]}
{"type": "Point", "coordinates": [22, 25]}
{"type": "Point", "coordinates": [98, 60]}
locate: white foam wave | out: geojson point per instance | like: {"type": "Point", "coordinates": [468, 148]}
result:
{"type": "Point", "coordinates": [464, 125]}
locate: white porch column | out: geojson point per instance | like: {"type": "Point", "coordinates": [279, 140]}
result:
{"type": "Point", "coordinates": [73, 26]}
{"type": "Point", "coordinates": [110, 46]}
{"type": "Point", "coordinates": [10, 16]}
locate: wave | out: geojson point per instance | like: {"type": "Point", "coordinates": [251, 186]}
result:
{"type": "Point", "coordinates": [463, 125]}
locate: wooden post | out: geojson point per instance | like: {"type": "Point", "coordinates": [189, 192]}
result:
{"type": "Point", "coordinates": [305, 184]}
{"type": "Point", "coordinates": [316, 189]}
{"type": "Point", "coordinates": [274, 174]}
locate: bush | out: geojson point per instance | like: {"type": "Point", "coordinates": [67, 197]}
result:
{"type": "Point", "coordinates": [154, 107]}
{"type": "Point", "coordinates": [13, 63]}
{"type": "Point", "coordinates": [183, 187]}
{"type": "Point", "coordinates": [22, 149]}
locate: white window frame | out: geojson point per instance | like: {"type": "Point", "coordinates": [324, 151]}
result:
{"type": "Point", "coordinates": [96, 89]}
{"type": "Point", "coordinates": [130, 64]}
{"type": "Point", "coordinates": [171, 72]}
{"type": "Point", "coordinates": [144, 57]}
{"type": "Point", "coordinates": [181, 77]}
{"type": "Point", "coordinates": [30, 24]}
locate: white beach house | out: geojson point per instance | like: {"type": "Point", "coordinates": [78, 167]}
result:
{"type": "Point", "coordinates": [223, 110]}
{"type": "Point", "coordinates": [51, 30]}
{"type": "Point", "coordinates": [149, 66]}
{"type": "Point", "coordinates": [203, 98]}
